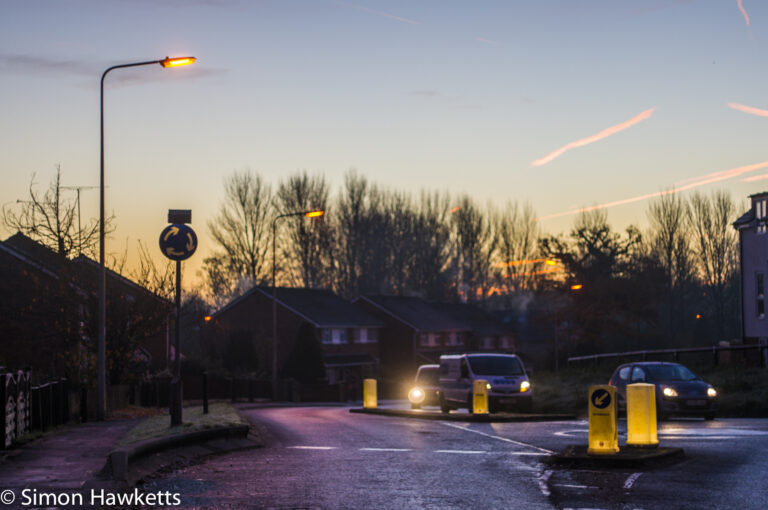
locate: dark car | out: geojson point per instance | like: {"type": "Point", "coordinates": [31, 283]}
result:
{"type": "Point", "coordinates": [425, 391]}
{"type": "Point", "coordinates": [679, 391]}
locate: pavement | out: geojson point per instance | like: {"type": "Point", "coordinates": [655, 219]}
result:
{"type": "Point", "coordinates": [67, 458]}
{"type": "Point", "coordinates": [78, 457]}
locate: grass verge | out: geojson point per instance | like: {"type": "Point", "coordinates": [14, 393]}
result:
{"type": "Point", "coordinates": [743, 391]}
{"type": "Point", "coordinates": [220, 415]}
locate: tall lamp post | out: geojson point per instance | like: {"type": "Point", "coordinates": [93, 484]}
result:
{"type": "Point", "coordinates": [307, 214]}
{"type": "Point", "coordinates": [101, 408]}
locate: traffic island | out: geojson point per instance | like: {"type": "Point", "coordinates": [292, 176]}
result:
{"type": "Point", "coordinates": [627, 457]}
{"type": "Point", "coordinates": [152, 445]}
{"type": "Point", "coordinates": [475, 418]}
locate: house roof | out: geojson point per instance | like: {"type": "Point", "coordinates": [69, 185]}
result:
{"type": "Point", "coordinates": [39, 253]}
{"type": "Point", "coordinates": [50, 262]}
{"type": "Point", "coordinates": [417, 313]}
{"type": "Point", "coordinates": [321, 307]}
{"type": "Point", "coordinates": [745, 219]}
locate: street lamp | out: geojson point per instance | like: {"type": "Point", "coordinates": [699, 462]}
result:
{"type": "Point", "coordinates": [316, 213]}
{"type": "Point", "coordinates": [101, 408]}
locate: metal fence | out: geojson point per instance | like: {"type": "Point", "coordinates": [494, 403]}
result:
{"type": "Point", "coordinates": [715, 352]}
{"type": "Point", "coordinates": [26, 407]}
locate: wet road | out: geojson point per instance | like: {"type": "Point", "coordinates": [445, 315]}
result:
{"type": "Point", "coordinates": [325, 457]}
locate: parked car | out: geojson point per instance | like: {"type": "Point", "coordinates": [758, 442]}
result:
{"type": "Point", "coordinates": [425, 391]}
{"type": "Point", "coordinates": [679, 391]}
{"type": "Point", "coordinates": [508, 385]}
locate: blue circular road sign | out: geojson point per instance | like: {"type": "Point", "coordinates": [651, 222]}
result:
{"type": "Point", "coordinates": [601, 398]}
{"type": "Point", "coordinates": [178, 241]}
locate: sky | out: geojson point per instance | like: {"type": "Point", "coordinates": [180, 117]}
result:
{"type": "Point", "coordinates": [565, 104]}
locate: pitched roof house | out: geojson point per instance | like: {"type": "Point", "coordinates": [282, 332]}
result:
{"type": "Point", "coordinates": [52, 300]}
{"type": "Point", "coordinates": [349, 336]}
{"type": "Point", "coordinates": [417, 332]}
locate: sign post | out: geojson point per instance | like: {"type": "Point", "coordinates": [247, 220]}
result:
{"type": "Point", "coordinates": [603, 429]}
{"type": "Point", "coordinates": [177, 242]}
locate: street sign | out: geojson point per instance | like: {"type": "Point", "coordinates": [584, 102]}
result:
{"type": "Point", "coordinates": [601, 399]}
{"type": "Point", "coordinates": [178, 241]}
{"type": "Point", "coordinates": [603, 427]}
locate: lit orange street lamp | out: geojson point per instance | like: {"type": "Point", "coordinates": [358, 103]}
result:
{"type": "Point", "coordinates": [316, 213]}
{"type": "Point", "coordinates": [101, 390]}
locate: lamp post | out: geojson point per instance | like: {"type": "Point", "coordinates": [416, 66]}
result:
{"type": "Point", "coordinates": [101, 407]}
{"type": "Point", "coordinates": [574, 287]}
{"type": "Point", "coordinates": [307, 214]}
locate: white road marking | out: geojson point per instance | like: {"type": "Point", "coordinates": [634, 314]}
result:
{"type": "Point", "coordinates": [313, 447]}
{"type": "Point", "coordinates": [527, 454]}
{"type": "Point", "coordinates": [386, 449]}
{"type": "Point", "coordinates": [631, 479]}
{"type": "Point", "coordinates": [518, 443]}
{"type": "Point", "coordinates": [470, 452]}
{"type": "Point", "coordinates": [569, 486]}
{"type": "Point", "coordinates": [543, 482]}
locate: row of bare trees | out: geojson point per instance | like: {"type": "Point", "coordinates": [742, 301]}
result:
{"type": "Point", "coordinates": [673, 283]}
{"type": "Point", "coordinates": [641, 286]}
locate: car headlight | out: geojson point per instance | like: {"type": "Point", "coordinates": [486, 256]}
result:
{"type": "Point", "coordinates": [488, 386]}
{"type": "Point", "coordinates": [525, 386]}
{"type": "Point", "coordinates": [416, 395]}
{"type": "Point", "coordinates": [669, 392]}
{"type": "Point", "coordinates": [711, 392]}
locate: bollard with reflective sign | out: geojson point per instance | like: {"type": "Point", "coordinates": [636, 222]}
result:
{"type": "Point", "coordinates": [369, 394]}
{"type": "Point", "coordinates": [480, 397]}
{"type": "Point", "coordinates": [603, 425]}
{"type": "Point", "coordinates": [641, 415]}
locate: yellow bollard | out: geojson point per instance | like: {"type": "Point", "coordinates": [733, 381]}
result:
{"type": "Point", "coordinates": [369, 394]}
{"type": "Point", "coordinates": [480, 397]}
{"type": "Point", "coordinates": [603, 426]}
{"type": "Point", "coordinates": [641, 415]}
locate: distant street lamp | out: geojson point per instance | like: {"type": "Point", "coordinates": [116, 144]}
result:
{"type": "Point", "coordinates": [307, 214]}
{"type": "Point", "coordinates": [576, 286]}
{"type": "Point", "coordinates": [101, 407]}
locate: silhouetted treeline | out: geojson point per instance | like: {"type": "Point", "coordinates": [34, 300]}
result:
{"type": "Point", "coordinates": [674, 283]}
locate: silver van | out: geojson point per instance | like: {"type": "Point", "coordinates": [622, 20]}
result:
{"type": "Point", "coordinates": [509, 386]}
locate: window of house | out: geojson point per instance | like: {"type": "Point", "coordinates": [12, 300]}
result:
{"type": "Point", "coordinates": [760, 213]}
{"type": "Point", "coordinates": [365, 336]}
{"type": "Point", "coordinates": [453, 338]}
{"type": "Point", "coordinates": [334, 336]}
{"type": "Point", "coordinates": [488, 342]}
{"type": "Point", "coordinates": [429, 339]}
{"type": "Point", "coordinates": [505, 343]}
{"type": "Point", "coordinates": [760, 288]}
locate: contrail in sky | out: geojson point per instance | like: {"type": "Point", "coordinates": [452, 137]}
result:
{"type": "Point", "coordinates": [379, 13]}
{"type": "Point", "coordinates": [749, 109]}
{"type": "Point", "coordinates": [743, 12]}
{"type": "Point", "coordinates": [591, 139]}
{"type": "Point", "coordinates": [755, 178]}
{"type": "Point", "coordinates": [707, 179]}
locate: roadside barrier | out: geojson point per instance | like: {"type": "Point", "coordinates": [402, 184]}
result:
{"type": "Point", "coordinates": [641, 415]}
{"type": "Point", "coordinates": [603, 424]}
{"type": "Point", "coordinates": [24, 407]}
{"type": "Point", "coordinates": [369, 394]}
{"type": "Point", "coordinates": [480, 397]}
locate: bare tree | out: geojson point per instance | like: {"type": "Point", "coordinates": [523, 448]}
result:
{"type": "Point", "coordinates": [241, 231]}
{"type": "Point", "coordinates": [52, 220]}
{"type": "Point", "coordinates": [716, 247]}
{"type": "Point", "coordinates": [475, 246]}
{"type": "Point", "coordinates": [306, 248]}
{"type": "Point", "coordinates": [668, 242]}
{"type": "Point", "coordinates": [517, 263]}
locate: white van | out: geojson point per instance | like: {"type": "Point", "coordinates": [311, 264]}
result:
{"type": "Point", "coordinates": [510, 388]}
